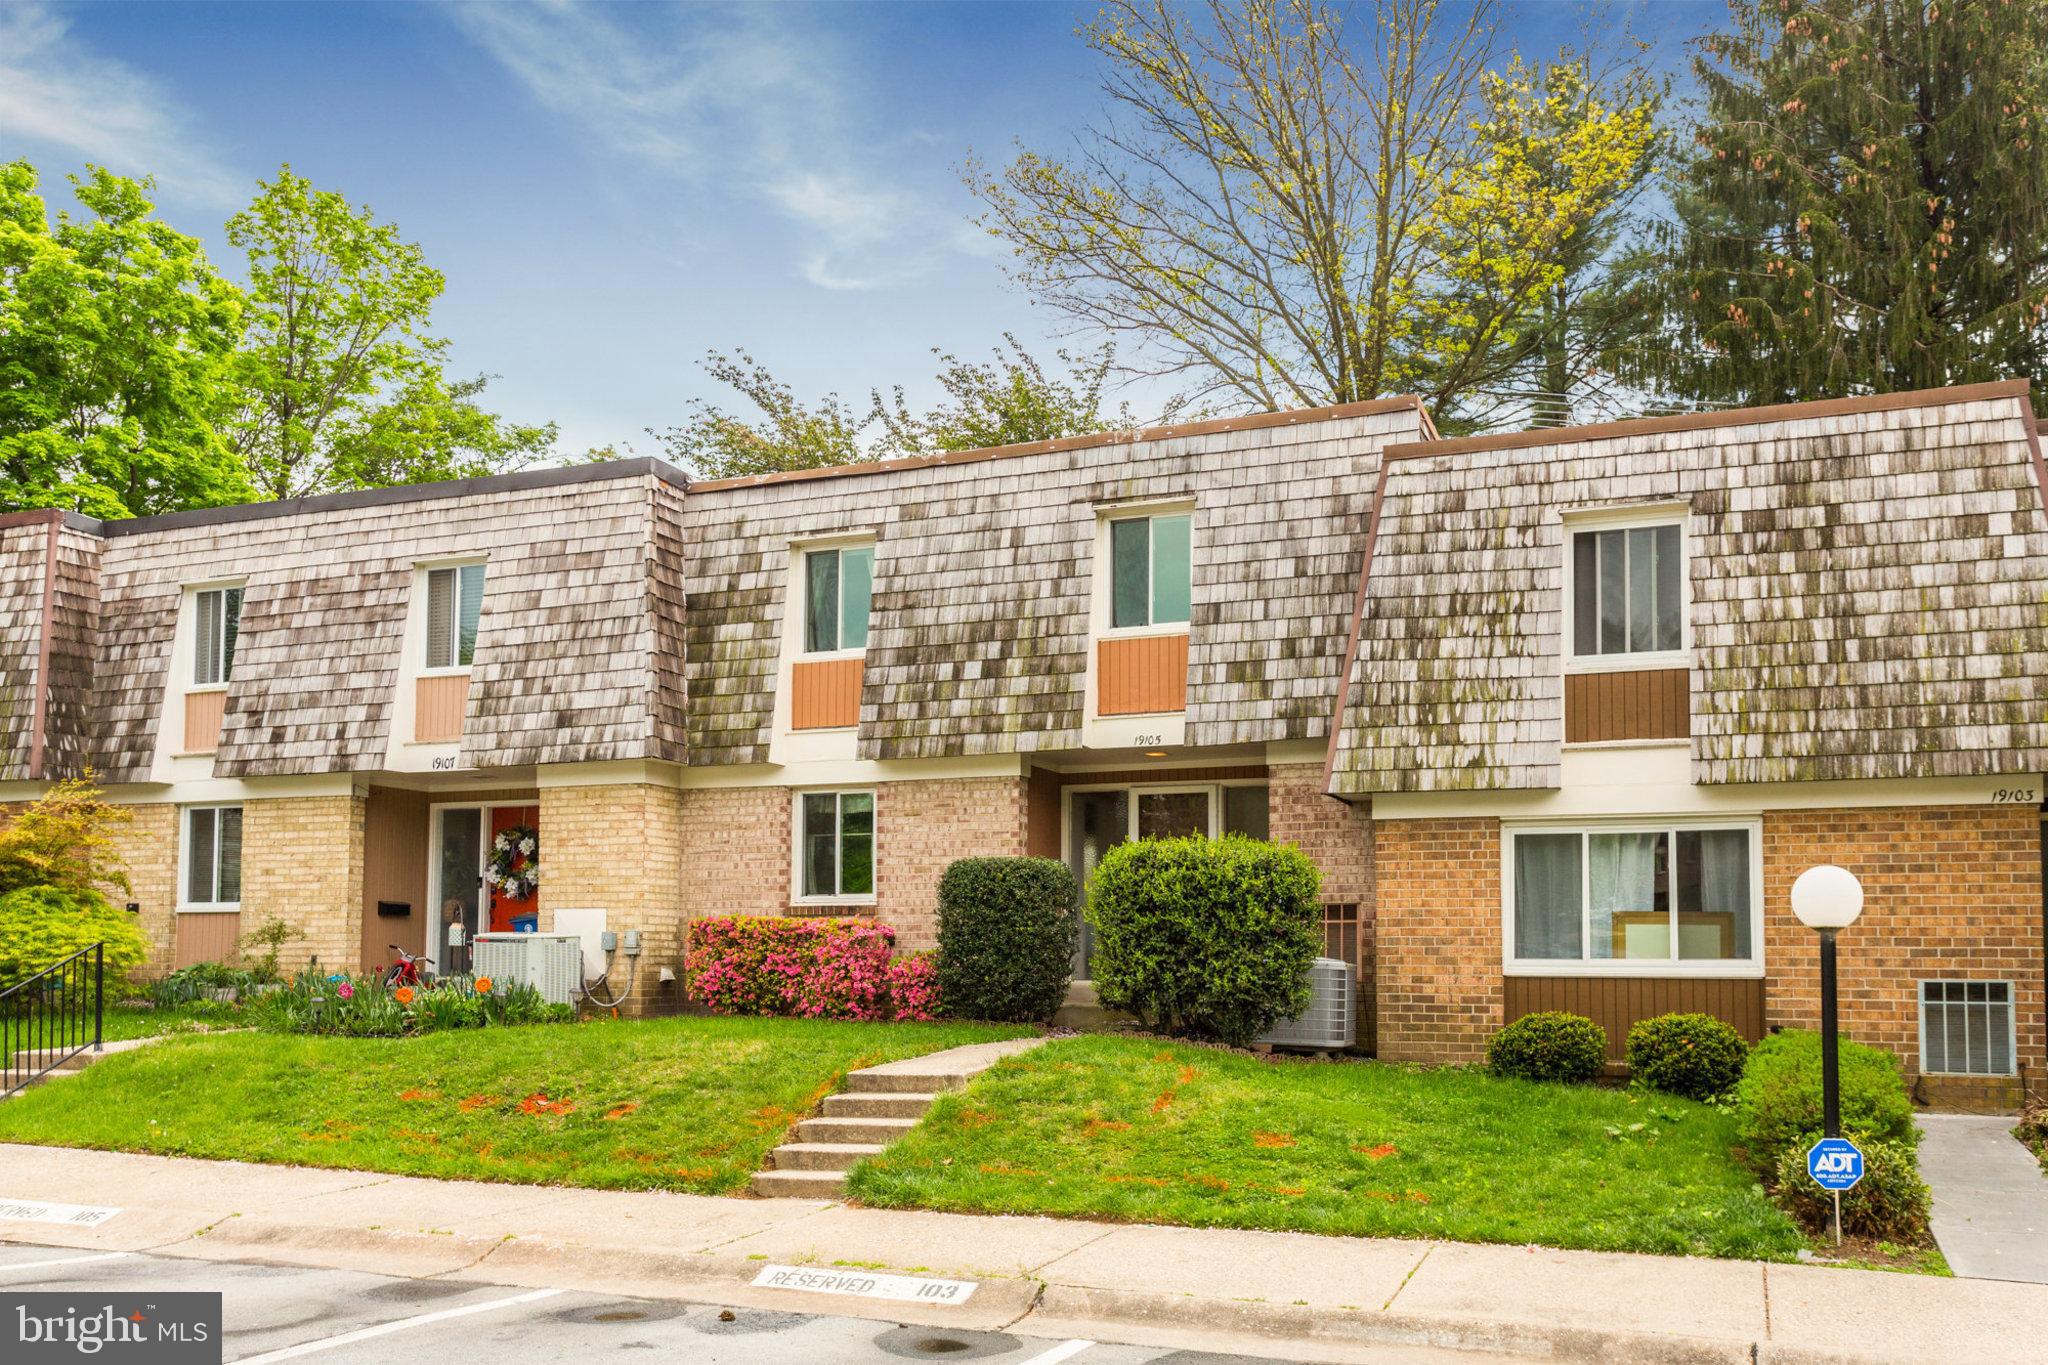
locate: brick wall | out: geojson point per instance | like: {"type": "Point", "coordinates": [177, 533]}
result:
{"type": "Point", "coordinates": [147, 845]}
{"type": "Point", "coordinates": [735, 851]}
{"type": "Point", "coordinates": [302, 862]}
{"type": "Point", "coordinates": [1338, 836]}
{"type": "Point", "coordinates": [1438, 938]}
{"type": "Point", "coordinates": [1948, 892]}
{"type": "Point", "coordinates": [621, 846]}
{"type": "Point", "coordinates": [923, 826]}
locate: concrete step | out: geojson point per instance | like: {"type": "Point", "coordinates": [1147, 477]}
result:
{"type": "Point", "coordinates": [779, 1184]}
{"type": "Point", "coordinates": [57, 1075]}
{"type": "Point", "coordinates": [863, 1130]}
{"type": "Point", "coordinates": [881, 1105]}
{"type": "Point", "coordinates": [820, 1156]}
{"type": "Point", "coordinates": [876, 1081]}
{"type": "Point", "coordinates": [85, 1058]}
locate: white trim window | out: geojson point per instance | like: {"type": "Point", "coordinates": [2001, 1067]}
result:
{"type": "Point", "coordinates": [1151, 571]}
{"type": "Point", "coordinates": [1967, 1028]}
{"type": "Point", "coordinates": [1664, 898]}
{"type": "Point", "coordinates": [455, 600]}
{"type": "Point", "coordinates": [1627, 588]}
{"type": "Point", "coordinates": [839, 586]}
{"type": "Point", "coordinates": [835, 846]}
{"type": "Point", "coordinates": [211, 875]}
{"type": "Point", "coordinates": [217, 619]}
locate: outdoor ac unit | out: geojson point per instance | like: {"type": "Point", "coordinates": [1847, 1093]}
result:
{"type": "Point", "coordinates": [550, 963]}
{"type": "Point", "coordinates": [1331, 1020]}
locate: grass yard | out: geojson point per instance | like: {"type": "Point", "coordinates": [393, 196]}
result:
{"type": "Point", "coordinates": [119, 1022]}
{"type": "Point", "coordinates": [675, 1104]}
{"type": "Point", "coordinates": [1134, 1129]}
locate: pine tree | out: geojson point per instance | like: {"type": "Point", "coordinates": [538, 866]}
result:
{"type": "Point", "coordinates": [1865, 208]}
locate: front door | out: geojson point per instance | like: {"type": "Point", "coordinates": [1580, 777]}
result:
{"type": "Point", "coordinates": [1100, 820]}
{"type": "Point", "coordinates": [513, 912]}
{"type": "Point", "coordinates": [458, 884]}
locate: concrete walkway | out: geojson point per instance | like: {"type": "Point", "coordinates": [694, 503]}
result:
{"type": "Point", "coordinates": [1990, 1197]}
{"type": "Point", "coordinates": [1259, 1293]}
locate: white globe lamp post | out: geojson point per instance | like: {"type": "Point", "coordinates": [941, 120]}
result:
{"type": "Point", "coordinates": [1828, 899]}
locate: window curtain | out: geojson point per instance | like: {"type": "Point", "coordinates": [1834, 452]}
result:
{"type": "Point", "coordinates": [1547, 886]}
{"type": "Point", "coordinates": [1724, 884]}
{"type": "Point", "coordinates": [1622, 879]}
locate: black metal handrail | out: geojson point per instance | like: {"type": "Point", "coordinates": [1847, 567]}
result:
{"type": "Point", "coordinates": [53, 1016]}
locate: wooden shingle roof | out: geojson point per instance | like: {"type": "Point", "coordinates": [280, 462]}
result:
{"type": "Point", "coordinates": [1869, 587]}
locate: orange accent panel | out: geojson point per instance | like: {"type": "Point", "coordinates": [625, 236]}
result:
{"type": "Point", "coordinates": [1653, 703]}
{"type": "Point", "coordinates": [438, 707]}
{"type": "Point", "coordinates": [213, 936]}
{"type": "Point", "coordinates": [1141, 675]}
{"type": "Point", "coordinates": [202, 721]}
{"type": "Point", "coordinates": [825, 694]}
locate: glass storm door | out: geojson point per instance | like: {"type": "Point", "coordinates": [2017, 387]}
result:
{"type": "Point", "coordinates": [458, 864]}
{"type": "Point", "coordinates": [1100, 821]}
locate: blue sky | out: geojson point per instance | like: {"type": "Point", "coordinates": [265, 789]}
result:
{"type": "Point", "coordinates": [613, 189]}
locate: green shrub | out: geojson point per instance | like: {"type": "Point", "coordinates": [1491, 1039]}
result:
{"type": "Point", "coordinates": [1549, 1045]}
{"type": "Point", "coordinates": [2033, 1129]}
{"type": "Point", "coordinates": [1778, 1100]}
{"type": "Point", "coordinates": [64, 839]}
{"type": "Point", "coordinates": [1007, 929]}
{"type": "Point", "coordinates": [1210, 937]}
{"type": "Point", "coordinates": [1694, 1055]}
{"type": "Point", "coordinates": [42, 925]}
{"type": "Point", "coordinates": [1890, 1203]}
{"type": "Point", "coordinates": [199, 981]}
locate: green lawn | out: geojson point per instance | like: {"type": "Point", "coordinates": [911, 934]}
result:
{"type": "Point", "coordinates": [1132, 1129]}
{"type": "Point", "coordinates": [677, 1104]}
{"type": "Point", "coordinates": [118, 1022]}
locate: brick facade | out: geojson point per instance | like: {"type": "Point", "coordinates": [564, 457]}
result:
{"type": "Point", "coordinates": [1949, 892]}
{"type": "Point", "coordinates": [621, 846]}
{"type": "Point", "coordinates": [147, 844]}
{"type": "Point", "coordinates": [921, 827]}
{"type": "Point", "coordinates": [1438, 923]}
{"type": "Point", "coordinates": [736, 851]}
{"type": "Point", "coordinates": [302, 862]}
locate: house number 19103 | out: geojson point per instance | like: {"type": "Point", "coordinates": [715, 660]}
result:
{"type": "Point", "coordinates": [2013, 796]}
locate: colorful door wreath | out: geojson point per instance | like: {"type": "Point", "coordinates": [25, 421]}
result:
{"type": "Point", "coordinates": [515, 862]}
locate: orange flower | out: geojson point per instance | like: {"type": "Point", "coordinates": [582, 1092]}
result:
{"type": "Point", "coordinates": [483, 985]}
{"type": "Point", "coordinates": [403, 995]}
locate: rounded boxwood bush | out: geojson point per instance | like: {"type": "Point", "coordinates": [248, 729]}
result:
{"type": "Point", "coordinates": [1777, 1101]}
{"type": "Point", "coordinates": [1207, 937]}
{"type": "Point", "coordinates": [1891, 1202]}
{"type": "Point", "coordinates": [1549, 1045]}
{"type": "Point", "coordinates": [1694, 1055]}
{"type": "Point", "coordinates": [40, 926]}
{"type": "Point", "coordinates": [1007, 930]}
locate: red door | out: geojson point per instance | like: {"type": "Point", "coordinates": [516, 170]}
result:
{"type": "Point", "coordinates": [505, 908]}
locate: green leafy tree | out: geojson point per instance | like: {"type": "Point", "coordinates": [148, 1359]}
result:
{"type": "Point", "coordinates": [115, 337]}
{"type": "Point", "coordinates": [1294, 203]}
{"type": "Point", "coordinates": [341, 384]}
{"type": "Point", "coordinates": [1009, 399]}
{"type": "Point", "coordinates": [1865, 207]}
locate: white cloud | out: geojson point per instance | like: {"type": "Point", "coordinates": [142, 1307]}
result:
{"type": "Point", "coordinates": [742, 98]}
{"type": "Point", "coordinates": [57, 93]}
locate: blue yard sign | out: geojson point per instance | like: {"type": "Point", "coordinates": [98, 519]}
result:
{"type": "Point", "coordinates": [1835, 1164]}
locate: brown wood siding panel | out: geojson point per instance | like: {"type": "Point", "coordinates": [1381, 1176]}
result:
{"type": "Point", "coordinates": [208, 937]}
{"type": "Point", "coordinates": [1042, 814]}
{"type": "Point", "coordinates": [1617, 1002]}
{"type": "Point", "coordinates": [202, 721]}
{"type": "Point", "coordinates": [394, 869]}
{"type": "Point", "coordinates": [1146, 675]}
{"type": "Point", "coordinates": [1643, 703]}
{"type": "Point", "coordinates": [825, 694]}
{"type": "Point", "coordinates": [439, 704]}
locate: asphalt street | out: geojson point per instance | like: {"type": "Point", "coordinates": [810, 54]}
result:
{"type": "Point", "coordinates": [338, 1317]}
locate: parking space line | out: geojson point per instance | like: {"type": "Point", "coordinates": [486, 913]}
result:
{"type": "Point", "coordinates": [306, 1348]}
{"type": "Point", "coordinates": [1066, 1350]}
{"type": "Point", "coordinates": [65, 1260]}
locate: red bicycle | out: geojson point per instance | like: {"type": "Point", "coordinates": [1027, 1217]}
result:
{"type": "Point", "coordinates": [405, 971]}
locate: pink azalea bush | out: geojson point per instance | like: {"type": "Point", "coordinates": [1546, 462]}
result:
{"type": "Point", "coordinates": [810, 968]}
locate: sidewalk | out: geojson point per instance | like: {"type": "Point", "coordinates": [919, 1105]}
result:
{"type": "Point", "coordinates": [1318, 1298]}
{"type": "Point", "coordinates": [1990, 1197]}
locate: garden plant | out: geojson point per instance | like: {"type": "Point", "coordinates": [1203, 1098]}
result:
{"type": "Point", "coordinates": [1550, 1045]}
{"type": "Point", "coordinates": [1007, 931]}
{"type": "Point", "coordinates": [1694, 1055]}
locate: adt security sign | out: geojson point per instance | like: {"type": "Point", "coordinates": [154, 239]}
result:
{"type": "Point", "coordinates": [1835, 1164]}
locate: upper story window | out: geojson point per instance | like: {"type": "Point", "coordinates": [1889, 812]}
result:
{"type": "Point", "coordinates": [455, 598]}
{"type": "Point", "coordinates": [838, 591]}
{"type": "Point", "coordinates": [219, 621]}
{"type": "Point", "coordinates": [1151, 571]}
{"type": "Point", "coordinates": [1628, 586]}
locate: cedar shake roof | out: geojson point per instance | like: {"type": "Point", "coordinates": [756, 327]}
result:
{"type": "Point", "coordinates": [1869, 587]}
{"type": "Point", "coordinates": [983, 570]}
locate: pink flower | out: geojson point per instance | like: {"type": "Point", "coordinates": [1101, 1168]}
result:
{"type": "Point", "coordinates": [346, 990]}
